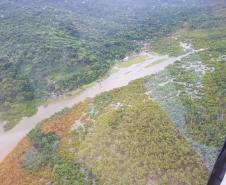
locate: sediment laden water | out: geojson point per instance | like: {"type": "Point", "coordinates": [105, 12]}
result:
{"type": "Point", "coordinates": [9, 140]}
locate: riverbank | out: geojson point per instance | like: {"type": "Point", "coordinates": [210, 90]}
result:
{"type": "Point", "coordinates": [124, 75]}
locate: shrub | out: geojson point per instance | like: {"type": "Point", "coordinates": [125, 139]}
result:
{"type": "Point", "coordinates": [43, 150]}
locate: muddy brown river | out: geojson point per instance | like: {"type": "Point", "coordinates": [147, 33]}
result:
{"type": "Point", "coordinates": [152, 65]}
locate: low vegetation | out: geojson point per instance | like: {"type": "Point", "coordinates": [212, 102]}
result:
{"type": "Point", "coordinates": [206, 116]}
{"type": "Point", "coordinates": [131, 143]}
{"type": "Point", "coordinates": [192, 91]}
{"type": "Point", "coordinates": [42, 152]}
{"type": "Point", "coordinates": [119, 137]}
{"type": "Point", "coordinates": [168, 46]}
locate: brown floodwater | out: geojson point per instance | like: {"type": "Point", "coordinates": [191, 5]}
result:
{"type": "Point", "coordinates": [10, 139]}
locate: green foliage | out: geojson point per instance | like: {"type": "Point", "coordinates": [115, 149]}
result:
{"type": "Point", "coordinates": [130, 141]}
{"type": "Point", "coordinates": [44, 151]}
{"type": "Point", "coordinates": [135, 143]}
{"type": "Point", "coordinates": [174, 89]}
{"type": "Point", "coordinates": [206, 116]}
{"type": "Point", "coordinates": [49, 48]}
{"type": "Point", "coordinates": [70, 173]}
{"type": "Point", "coordinates": [168, 46]}
{"type": "Point", "coordinates": [13, 112]}
{"type": "Point", "coordinates": [200, 89]}
{"type": "Point", "coordinates": [44, 148]}
{"type": "Point", "coordinates": [43, 142]}
{"type": "Point", "coordinates": [31, 159]}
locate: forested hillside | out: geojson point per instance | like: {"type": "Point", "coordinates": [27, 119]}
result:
{"type": "Point", "coordinates": [163, 129]}
{"type": "Point", "coordinates": [51, 47]}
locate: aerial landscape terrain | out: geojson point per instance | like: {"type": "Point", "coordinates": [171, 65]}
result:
{"type": "Point", "coordinates": [101, 92]}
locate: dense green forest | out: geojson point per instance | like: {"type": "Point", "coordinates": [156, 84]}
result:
{"type": "Point", "coordinates": [51, 47]}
